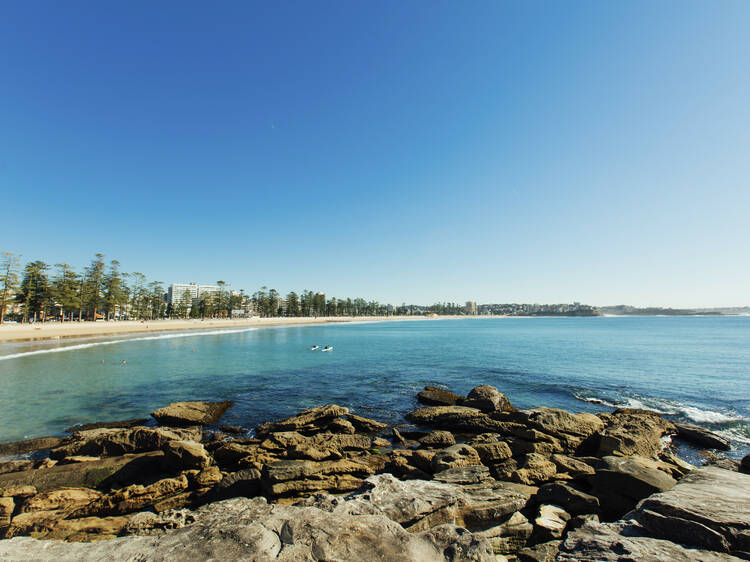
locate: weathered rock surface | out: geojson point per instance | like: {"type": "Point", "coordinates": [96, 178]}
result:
{"type": "Point", "coordinates": [298, 477]}
{"type": "Point", "coordinates": [702, 437]}
{"type": "Point", "coordinates": [542, 552]}
{"type": "Point", "coordinates": [455, 418]}
{"type": "Point", "coordinates": [573, 501]}
{"type": "Point", "coordinates": [454, 456]}
{"type": "Point", "coordinates": [186, 455]}
{"type": "Point", "coordinates": [534, 469]}
{"type": "Point", "coordinates": [438, 439]}
{"type": "Point", "coordinates": [310, 419]}
{"type": "Point", "coordinates": [105, 425]}
{"type": "Point", "coordinates": [487, 399]}
{"type": "Point", "coordinates": [439, 397]}
{"type": "Point", "coordinates": [18, 466]}
{"type": "Point", "coordinates": [572, 466]}
{"type": "Point", "coordinates": [550, 522]}
{"type": "Point", "coordinates": [568, 429]}
{"type": "Point", "coordinates": [251, 529]}
{"type": "Point", "coordinates": [632, 432]}
{"type": "Point", "coordinates": [191, 413]}
{"type": "Point", "coordinates": [38, 444]}
{"type": "Point", "coordinates": [511, 535]}
{"type": "Point", "coordinates": [110, 442]}
{"type": "Point", "coordinates": [366, 425]}
{"type": "Point", "coordinates": [494, 452]}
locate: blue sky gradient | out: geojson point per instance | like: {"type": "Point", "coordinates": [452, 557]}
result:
{"type": "Point", "coordinates": [421, 151]}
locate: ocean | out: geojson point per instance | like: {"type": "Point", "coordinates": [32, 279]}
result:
{"type": "Point", "coordinates": [691, 369]}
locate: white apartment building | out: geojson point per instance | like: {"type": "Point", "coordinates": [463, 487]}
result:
{"type": "Point", "coordinates": [176, 291]}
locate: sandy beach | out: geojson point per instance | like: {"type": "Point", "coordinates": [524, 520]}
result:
{"type": "Point", "coordinates": [58, 330]}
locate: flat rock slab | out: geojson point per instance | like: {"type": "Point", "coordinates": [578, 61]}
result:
{"type": "Point", "coordinates": [38, 444]}
{"type": "Point", "coordinates": [191, 413]}
{"type": "Point", "coordinates": [251, 529]}
{"type": "Point", "coordinates": [701, 437]}
{"type": "Point", "coordinates": [313, 416]}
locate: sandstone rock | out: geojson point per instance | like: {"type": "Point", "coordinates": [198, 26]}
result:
{"type": "Point", "coordinates": [492, 453]}
{"type": "Point", "coordinates": [18, 466]}
{"type": "Point", "coordinates": [616, 542]}
{"type": "Point", "coordinates": [242, 483]}
{"type": "Point", "coordinates": [454, 457]}
{"type": "Point", "coordinates": [510, 536]}
{"type": "Point", "coordinates": [545, 447]}
{"type": "Point", "coordinates": [542, 552]}
{"type": "Point", "coordinates": [709, 508]}
{"type": "Point", "coordinates": [311, 417]}
{"type": "Point", "coordinates": [407, 463]}
{"type": "Point", "coordinates": [186, 455]}
{"type": "Point", "coordinates": [439, 397]}
{"type": "Point", "coordinates": [112, 471]}
{"type": "Point", "coordinates": [18, 492]}
{"type": "Point", "coordinates": [253, 530]}
{"type": "Point", "coordinates": [380, 443]}
{"type": "Point", "coordinates": [455, 418]}
{"type": "Point", "coordinates": [571, 500]}
{"type": "Point", "coordinates": [550, 523]}
{"type": "Point", "coordinates": [701, 437]}
{"type": "Point", "coordinates": [632, 432]}
{"type": "Point", "coordinates": [574, 467]}
{"type": "Point", "coordinates": [472, 474]}
{"type": "Point", "coordinates": [103, 425]}
{"type": "Point", "coordinates": [303, 477]}
{"type": "Point", "coordinates": [234, 456]}
{"type": "Point", "coordinates": [65, 498]}
{"type": "Point", "coordinates": [366, 425]}
{"type": "Point", "coordinates": [340, 425]}
{"type": "Point", "coordinates": [568, 429]}
{"type": "Point", "coordinates": [534, 469]}
{"type": "Point", "coordinates": [620, 482]}
{"type": "Point", "coordinates": [85, 529]}
{"type": "Point", "coordinates": [115, 442]}
{"type": "Point", "coordinates": [146, 523]}
{"type": "Point", "coordinates": [398, 438]}
{"type": "Point", "coordinates": [7, 506]}
{"type": "Point", "coordinates": [438, 439]}
{"type": "Point", "coordinates": [504, 470]}
{"type": "Point", "coordinates": [745, 463]}
{"type": "Point", "coordinates": [487, 399]}
{"type": "Point", "coordinates": [191, 413]}
{"type": "Point", "coordinates": [207, 477]}
{"type": "Point", "coordinates": [38, 444]}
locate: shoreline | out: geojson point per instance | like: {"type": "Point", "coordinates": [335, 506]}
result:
{"type": "Point", "coordinates": [41, 332]}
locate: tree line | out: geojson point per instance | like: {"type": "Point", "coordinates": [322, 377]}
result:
{"type": "Point", "coordinates": [102, 291]}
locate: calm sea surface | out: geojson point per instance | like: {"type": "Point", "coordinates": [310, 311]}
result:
{"type": "Point", "coordinates": [693, 369]}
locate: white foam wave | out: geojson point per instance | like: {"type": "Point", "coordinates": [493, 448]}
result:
{"type": "Point", "coordinates": [735, 434]}
{"type": "Point", "coordinates": [113, 342]}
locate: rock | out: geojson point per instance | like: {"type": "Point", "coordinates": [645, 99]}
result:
{"type": "Point", "coordinates": [620, 482]}
{"type": "Point", "coordinates": [632, 432]}
{"type": "Point", "coordinates": [407, 463]}
{"type": "Point", "coordinates": [574, 467]}
{"type": "Point", "coordinates": [191, 413]}
{"type": "Point", "coordinates": [579, 521]}
{"type": "Point", "coordinates": [251, 529]}
{"type": "Point", "coordinates": [297, 477]}
{"type": "Point", "coordinates": [366, 425]}
{"type": "Point", "coordinates": [398, 438]}
{"type": "Point", "coordinates": [18, 466]}
{"type": "Point", "coordinates": [438, 439]}
{"type": "Point", "coordinates": [186, 455]}
{"type": "Point", "coordinates": [708, 508]}
{"type": "Point", "coordinates": [439, 397]}
{"type": "Point", "coordinates": [471, 474]}
{"type": "Point", "coordinates": [38, 444]}
{"type": "Point", "coordinates": [550, 522]}
{"type": "Point", "coordinates": [207, 477]}
{"type": "Point", "coordinates": [242, 483]}
{"type": "Point", "coordinates": [115, 442]}
{"type": "Point", "coordinates": [233, 429]}
{"type": "Point", "coordinates": [573, 501]}
{"type": "Point", "coordinates": [542, 552]}
{"type": "Point", "coordinates": [487, 399]}
{"type": "Point", "coordinates": [146, 523]}
{"type": "Point", "coordinates": [340, 425]}
{"type": "Point", "coordinates": [624, 540]}
{"type": "Point", "coordinates": [455, 456]}
{"type": "Point", "coordinates": [701, 437]}
{"type": "Point", "coordinates": [107, 425]}
{"type": "Point", "coordinates": [18, 492]}
{"type": "Point", "coordinates": [132, 498]}
{"type": "Point", "coordinates": [455, 418]}
{"type": "Point", "coordinates": [7, 506]}
{"type": "Point", "coordinates": [745, 463]}
{"type": "Point", "coordinates": [234, 456]}
{"type": "Point", "coordinates": [85, 529]}
{"type": "Point", "coordinates": [65, 498]}
{"type": "Point", "coordinates": [304, 420]}
{"type": "Point", "coordinates": [492, 453]}
{"type": "Point", "coordinates": [534, 469]}
{"type": "Point", "coordinates": [545, 448]}
{"type": "Point", "coordinates": [380, 443]}
{"type": "Point", "coordinates": [510, 536]}
{"type": "Point", "coordinates": [112, 471]}
{"type": "Point", "coordinates": [568, 429]}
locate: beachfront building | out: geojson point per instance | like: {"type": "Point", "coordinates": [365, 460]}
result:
{"type": "Point", "coordinates": [471, 308]}
{"type": "Point", "coordinates": [176, 291]}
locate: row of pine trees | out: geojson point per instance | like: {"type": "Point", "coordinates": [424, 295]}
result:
{"type": "Point", "coordinates": [101, 291]}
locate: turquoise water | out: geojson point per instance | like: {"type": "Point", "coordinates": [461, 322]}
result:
{"type": "Point", "coordinates": [694, 369]}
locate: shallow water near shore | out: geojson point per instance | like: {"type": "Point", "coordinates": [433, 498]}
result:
{"type": "Point", "coordinates": [692, 369]}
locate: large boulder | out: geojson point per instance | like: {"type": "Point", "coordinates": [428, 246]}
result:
{"type": "Point", "coordinates": [114, 442]}
{"type": "Point", "coordinates": [366, 425]}
{"type": "Point", "coordinates": [191, 413]}
{"type": "Point", "coordinates": [573, 501]}
{"type": "Point", "coordinates": [455, 456]}
{"type": "Point", "coordinates": [568, 429]}
{"type": "Point", "coordinates": [302, 478]}
{"type": "Point", "coordinates": [251, 529]}
{"type": "Point", "coordinates": [631, 432]}
{"type": "Point", "coordinates": [186, 455]}
{"type": "Point", "coordinates": [455, 418]}
{"type": "Point", "coordinates": [509, 536]}
{"type": "Point", "coordinates": [487, 399]}
{"type": "Point", "coordinates": [702, 437]}
{"type": "Point", "coordinates": [309, 420]}
{"type": "Point", "coordinates": [434, 396]}
{"type": "Point", "coordinates": [438, 439]}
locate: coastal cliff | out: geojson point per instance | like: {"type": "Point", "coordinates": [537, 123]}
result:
{"type": "Point", "coordinates": [470, 478]}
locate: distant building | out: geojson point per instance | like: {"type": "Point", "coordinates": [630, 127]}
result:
{"type": "Point", "coordinates": [471, 308]}
{"type": "Point", "coordinates": [176, 291]}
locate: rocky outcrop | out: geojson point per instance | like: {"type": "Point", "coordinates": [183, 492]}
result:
{"type": "Point", "coordinates": [114, 442]}
{"type": "Point", "coordinates": [701, 437]}
{"type": "Point", "coordinates": [455, 418]}
{"type": "Point", "coordinates": [455, 456]}
{"type": "Point", "coordinates": [438, 439]}
{"type": "Point", "coordinates": [631, 432]}
{"type": "Point", "coordinates": [38, 444]}
{"type": "Point", "coordinates": [191, 413]}
{"type": "Point", "coordinates": [487, 399]}
{"type": "Point", "coordinates": [251, 529]}
{"type": "Point", "coordinates": [312, 420]}
{"type": "Point", "coordinates": [439, 397]}
{"type": "Point", "coordinates": [366, 425]}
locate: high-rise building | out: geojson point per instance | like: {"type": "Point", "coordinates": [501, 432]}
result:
{"type": "Point", "coordinates": [176, 291]}
{"type": "Point", "coordinates": [471, 307]}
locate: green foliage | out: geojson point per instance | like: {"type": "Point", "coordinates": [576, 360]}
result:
{"type": "Point", "coordinates": [34, 293]}
{"type": "Point", "coordinates": [9, 266]}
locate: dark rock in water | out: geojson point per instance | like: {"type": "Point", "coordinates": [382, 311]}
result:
{"type": "Point", "coordinates": [251, 529]}
{"type": "Point", "coordinates": [366, 425]}
{"type": "Point", "coordinates": [233, 429]}
{"type": "Point", "coordinates": [745, 464]}
{"type": "Point", "coordinates": [709, 508]}
{"type": "Point", "coordinates": [542, 552]}
{"type": "Point", "coordinates": [487, 399]}
{"type": "Point", "coordinates": [625, 540]}
{"type": "Point", "coordinates": [112, 471]}
{"type": "Point", "coordinates": [191, 413]}
{"type": "Point", "coordinates": [620, 482]}
{"type": "Point", "coordinates": [439, 397]}
{"type": "Point", "coordinates": [311, 418]}
{"type": "Point", "coordinates": [573, 501]}
{"type": "Point", "coordinates": [701, 437]}
{"type": "Point", "coordinates": [38, 444]}
{"type": "Point", "coordinates": [106, 425]}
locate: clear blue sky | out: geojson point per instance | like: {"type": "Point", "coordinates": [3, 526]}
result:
{"type": "Point", "coordinates": [404, 151]}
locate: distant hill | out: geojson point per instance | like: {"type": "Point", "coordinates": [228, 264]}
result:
{"type": "Point", "coordinates": [625, 310]}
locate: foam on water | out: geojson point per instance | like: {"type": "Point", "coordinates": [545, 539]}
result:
{"type": "Point", "coordinates": [125, 340]}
